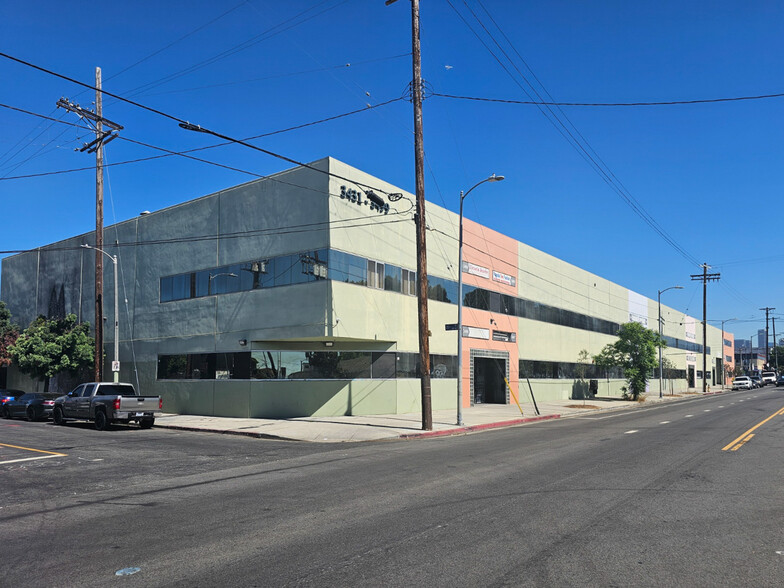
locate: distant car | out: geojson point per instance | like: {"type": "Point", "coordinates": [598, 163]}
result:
{"type": "Point", "coordinates": [780, 380]}
{"type": "Point", "coordinates": [6, 395]}
{"type": "Point", "coordinates": [32, 406]}
{"type": "Point", "coordinates": [768, 378]}
{"type": "Point", "coordinates": [757, 381]}
{"type": "Point", "coordinates": [742, 383]}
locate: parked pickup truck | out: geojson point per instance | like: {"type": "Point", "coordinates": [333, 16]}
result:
{"type": "Point", "coordinates": [105, 403]}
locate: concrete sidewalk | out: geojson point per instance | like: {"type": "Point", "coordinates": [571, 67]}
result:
{"type": "Point", "coordinates": [400, 426]}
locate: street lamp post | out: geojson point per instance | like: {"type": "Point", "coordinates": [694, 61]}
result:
{"type": "Point", "coordinates": [116, 362]}
{"type": "Point", "coordinates": [660, 334]}
{"type": "Point", "coordinates": [493, 178]}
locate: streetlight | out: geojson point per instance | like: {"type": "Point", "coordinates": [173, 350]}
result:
{"type": "Point", "coordinates": [660, 334]}
{"type": "Point", "coordinates": [116, 362]}
{"type": "Point", "coordinates": [493, 178]}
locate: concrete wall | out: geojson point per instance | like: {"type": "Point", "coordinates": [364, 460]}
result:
{"type": "Point", "coordinates": [298, 210]}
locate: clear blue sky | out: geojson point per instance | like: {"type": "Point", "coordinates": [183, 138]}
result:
{"type": "Point", "coordinates": [710, 175]}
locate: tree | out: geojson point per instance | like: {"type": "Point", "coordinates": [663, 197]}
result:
{"type": "Point", "coordinates": [668, 370]}
{"type": "Point", "coordinates": [50, 346]}
{"type": "Point", "coordinates": [635, 352]}
{"type": "Point", "coordinates": [777, 356]}
{"type": "Point", "coordinates": [8, 334]}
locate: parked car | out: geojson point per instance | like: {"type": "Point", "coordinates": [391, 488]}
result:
{"type": "Point", "coordinates": [33, 406]}
{"type": "Point", "coordinates": [742, 383]}
{"type": "Point", "coordinates": [768, 378]}
{"type": "Point", "coordinates": [780, 380]}
{"type": "Point", "coordinates": [756, 381]}
{"type": "Point", "coordinates": [7, 395]}
{"type": "Point", "coordinates": [105, 403]}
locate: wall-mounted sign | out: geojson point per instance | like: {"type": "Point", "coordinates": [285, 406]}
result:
{"type": "Point", "coordinates": [504, 278]}
{"type": "Point", "coordinates": [505, 336]}
{"type": "Point", "coordinates": [371, 199]}
{"type": "Point", "coordinates": [476, 333]}
{"type": "Point", "coordinates": [691, 358]}
{"type": "Point", "coordinates": [476, 270]}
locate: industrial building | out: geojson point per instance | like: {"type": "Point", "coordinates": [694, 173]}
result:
{"type": "Point", "coordinates": [294, 295]}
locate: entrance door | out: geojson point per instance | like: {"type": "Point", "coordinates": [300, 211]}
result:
{"type": "Point", "coordinates": [489, 386]}
{"type": "Point", "coordinates": [691, 376]}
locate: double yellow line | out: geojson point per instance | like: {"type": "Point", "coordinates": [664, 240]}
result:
{"type": "Point", "coordinates": [746, 437]}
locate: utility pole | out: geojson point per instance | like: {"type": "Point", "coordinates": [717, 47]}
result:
{"type": "Point", "coordinates": [767, 310]}
{"type": "Point", "coordinates": [705, 277]}
{"type": "Point", "coordinates": [776, 353]}
{"type": "Point", "coordinates": [97, 122]}
{"type": "Point", "coordinates": [419, 218]}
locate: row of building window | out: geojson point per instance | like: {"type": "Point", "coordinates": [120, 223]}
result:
{"type": "Point", "coordinates": [332, 264]}
{"type": "Point", "coordinates": [301, 365]}
{"type": "Point", "coordinates": [352, 365]}
{"type": "Point", "coordinates": [563, 370]}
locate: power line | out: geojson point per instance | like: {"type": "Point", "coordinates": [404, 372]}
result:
{"type": "Point", "coordinates": [264, 35]}
{"type": "Point", "coordinates": [173, 153]}
{"type": "Point", "coordinates": [195, 127]}
{"type": "Point", "coordinates": [282, 75]}
{"type": "Point", "coordinates": [609, 104]}
{"type": "Point", "coordinates": [581, 145]}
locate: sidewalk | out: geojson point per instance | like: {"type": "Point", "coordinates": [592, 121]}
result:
{"type": "Point", "coordinates": [400, 426]}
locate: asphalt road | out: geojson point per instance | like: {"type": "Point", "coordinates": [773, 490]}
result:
{"type": "Point", "coordinates": [672, 495]}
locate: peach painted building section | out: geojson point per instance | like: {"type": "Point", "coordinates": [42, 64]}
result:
{"type": "Point", "coordinates": [729, 355]}
{"type": "Point", "coordinates": [490, 263]}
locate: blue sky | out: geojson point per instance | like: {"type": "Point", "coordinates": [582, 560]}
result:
{"type": "Point", "coordinates": [709, 175]}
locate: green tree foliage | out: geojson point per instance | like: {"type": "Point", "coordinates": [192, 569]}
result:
{"type": "Point", "coordinates": [777, 357]}
{"type": "Point", "coordinates": [635, 352]}
{"type": "Point", "coordinates": [8, 335]}
{"type": "Point", "coordinates": [50, 346]}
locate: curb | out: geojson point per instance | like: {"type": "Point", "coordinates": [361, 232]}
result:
{"type": "Point", "coordinates": [225, 432]}
{"type": "Point", "coordinates": [485, 426]}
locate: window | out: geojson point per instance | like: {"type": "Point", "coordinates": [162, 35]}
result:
{"type": "Point", "coordinates": [375, 274]}
{"type": "Point", "coordinates": [393, 277]}
{"type": "Point", "coordinates": [409, 282]}
{"type": "Point", "coordinates": [382, 366]}
{"type": "Point", "coordinates": [344, 267]}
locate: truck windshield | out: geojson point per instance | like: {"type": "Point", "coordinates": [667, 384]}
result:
{"type": "Point", "coordinates": [117, 389]}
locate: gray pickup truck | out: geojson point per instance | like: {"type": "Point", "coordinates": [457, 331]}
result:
{"type": "Point", "coordinates": [105, 403]}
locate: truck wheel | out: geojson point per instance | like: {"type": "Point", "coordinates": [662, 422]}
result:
{"type": "Point", "coordinates": [30, 413]}
{"type": "Point", "coordinates": [101, 422]}
{"type": "Point", "coordinates": [147, 423]}
{"type": "Point", "coordinates": [57, 416]}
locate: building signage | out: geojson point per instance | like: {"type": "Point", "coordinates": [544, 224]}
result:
{"type": "Point", "coordinates": [505, 336]}
{"type": "Point", "coordinates": [476, 333]}
{"type": "Point", "coordinates": [476, 270]}
{"type": "Point", "coordinates": [369, 198]}
{"type": "Point", "coordinates": [691, 358]}
{"type": "Point", "coordinates": [504, 278]}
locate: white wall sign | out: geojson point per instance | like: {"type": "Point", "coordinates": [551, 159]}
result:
{"type": "Point", "coordinates": [476, 333]}
{"type": "Point", "coordinates": [476, 270]}
{"type": "Point", "coordinates": [638, 308]}
{"type": "Point", "coordinates": [504, 278]}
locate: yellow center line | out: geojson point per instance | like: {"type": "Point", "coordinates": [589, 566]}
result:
{"type": "Point", "coordinates": [743, 438]}
{"type": "Point", "coordinates": [31, 449]}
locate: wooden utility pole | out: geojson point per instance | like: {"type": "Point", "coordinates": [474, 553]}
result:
{"type": "Point", "coordinates": [705, 277]}
{"type": "Point", "coordinates": [98, 232]}
{"type": "Point", "coordinates": [419, 219]}
{"type": "Point", "coordinates": [421, 226]}
{"type": "Point", "coordinates": [101, 138]}
{"type": "Point", "coordinates": [767, 310]}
